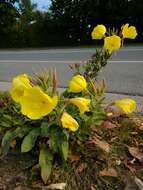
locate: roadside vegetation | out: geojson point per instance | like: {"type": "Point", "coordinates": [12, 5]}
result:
{"type": "Point", "coordinates": [71, 140]}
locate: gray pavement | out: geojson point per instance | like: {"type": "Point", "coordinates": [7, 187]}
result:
{"type": "Point", "coordinates": [124, 73]}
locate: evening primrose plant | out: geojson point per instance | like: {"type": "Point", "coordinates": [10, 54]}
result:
{"type": "Point", "coordinates": [49, 123]}
{"type": "Point", "coordinates": [53, 121]}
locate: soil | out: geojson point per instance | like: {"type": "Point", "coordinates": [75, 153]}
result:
{"type": "Point", "coordinates": [14, 171]}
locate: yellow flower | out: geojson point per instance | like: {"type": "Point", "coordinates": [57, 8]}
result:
{"type": "Point", "coordinates": [19, 84]}
{"type": "Point", "coordinates": [112, 43]}
{"type": "Point", "coordinates": [77, 84]}
{"type": "Point", "coordinates": [127, 105]}
{"type": "Point", "coordinates": [129, 32]}
{"type": "Point", "coordinates": [98, 32]}
{"type": "Point", "coordinates": [35, 103]}
{"type": "Point", "coordinates": [69, 122]}
{"type": "Point", "coordinates": [81, 103]}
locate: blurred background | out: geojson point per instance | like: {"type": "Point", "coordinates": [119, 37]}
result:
{"type": "Point", "coordinates": [45, 23]}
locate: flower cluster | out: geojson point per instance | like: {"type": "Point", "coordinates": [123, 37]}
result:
{"type": "Point", "coordinates": [113, 40]}
{"type": "Point", "coordinates": [35, 103]}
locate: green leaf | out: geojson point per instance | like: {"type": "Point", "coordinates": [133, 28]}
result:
{"type": "Point", "coordinates": [45, 162]}
{"type": "Point", "coordinates": [66, 133]}
{"type": "Point", "coordinates": [44, 129]}
{"type": "Point", "coordinates": [55, 137]}
{"type": "Point", "coordinates": [59, 140]}
{"type": "Point", "coordinates": [22, 131]}
{"type": "Point", "coordinates": [4, 124]}
{"type": "Point", "coordinates": [65, 144]}
{"type": "Point", "coordinates": [29, 141]}
{"type": "Point", "coordinates": [12, 134]}
{"type": "Point", "coordinates": [98, 116]}
{"type": "Point", "coordinates": [65, 149]}
{"type": "Point", "coordinates": [8, 137]}
{"type": "Point", "coordinates": [7, 117]}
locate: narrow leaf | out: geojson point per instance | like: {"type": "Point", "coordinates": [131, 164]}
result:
{"type": "Point", "coordinates": [65, 149]}
{"type": "Point", "coordinates": [45, 162]}
{"type": "Point", "coordinates": [8, 137]}
{"type": "Point", "coordinates": [22, 131]}
{"type": "Point", "coordinates": [29, 141]}
{"type": "Point", "coordinates": [44, 129]}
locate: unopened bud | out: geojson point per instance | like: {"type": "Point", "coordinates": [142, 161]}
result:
{"type": "Point", "coordinates": [55, 81]}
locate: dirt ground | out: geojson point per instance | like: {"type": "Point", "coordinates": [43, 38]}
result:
{"type": "Point", "coordinates": [14, 174]}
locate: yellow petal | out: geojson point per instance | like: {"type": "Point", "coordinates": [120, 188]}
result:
{"type": "Point", "coordinates": [98, 32]}
{"type": "Point", "coordinates": [69, 122]}
{"type": "Point", "coordinates": [35, 103]}
{"type": "Point", "coordinates": [77, 84]}
{"type": "Point", "coordinates": [82, 103]}
{"type": "Point", "coordinates": [129, 32]}
{"type": "Point", "coordinates": [127, 105]}
{"type": "Point", "coordinates": [112, 43]}
{"type": "Point", "coordinates": [19, 84]}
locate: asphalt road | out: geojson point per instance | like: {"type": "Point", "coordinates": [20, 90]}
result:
{"type": "Point", "coordinates": [124, 73]}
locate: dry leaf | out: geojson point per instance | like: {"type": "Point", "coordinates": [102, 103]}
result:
{"type": "Point", "coordinates": [141, 127]}
{"type": "Point", "coordinates": [81, 168]}
{"type": "Point", "coordinates": [108, 172]}
{"type": "Point", "coordinates": [132, 161]}
{"type": "Point", "coordinates": [134, 133]}
{"type": "Point", "coordinates": [108, 125]}
{"type": "Point", "coordinates": [101, 144]}
{"type": "Point", "coordinates": [74, 157]}
{"type": "Point", "coordinates": [139, 183]}
{"type": "Point", "coordinates": [59, 186]}
{"type": "Point", "coordinates": [21, 188]}
{"type": "Point", "coordinates": [136, 153]}
{"type": "Point", "coordinates": [132, 169]}
{"type": "Point", "coordinates": [131, 186]}
{"type": "Point", "coordinates": [109, 114]}
{"type": "Point", "coordinates": [13, 144]}
{"type": "Point", "coordinates": [93, 127]}
{"type": "Point", "coordinates": [93, 188]}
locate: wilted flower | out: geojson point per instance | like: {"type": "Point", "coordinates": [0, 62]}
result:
{"type": "Point", "coordinates": [82, 103]}
{"type": "Point", "coordinates": [112, 43]}
{"type": "Point", "coordinates": [77, 84]}
{"type": "Point", "coordinates": [98, 32]}
{"type": "Point", "coordinates": [129, 31]}
{"type": "Point", "coordinates": [69, 122]}
{"type": "Point", "coordinates": [19, 84]}
{"type": "Point", "coordinates": [127, 105]}
{"type": "Point", "coordinates": [35, 103]}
